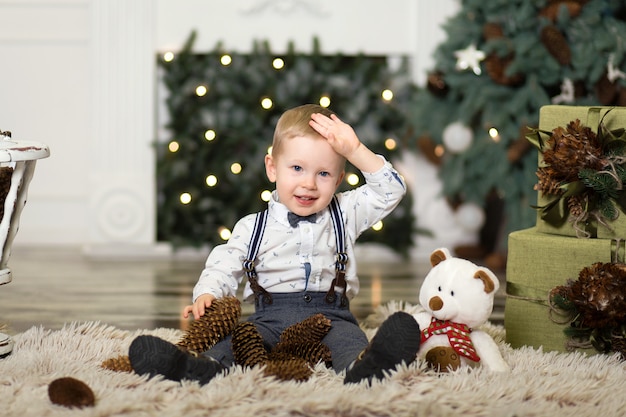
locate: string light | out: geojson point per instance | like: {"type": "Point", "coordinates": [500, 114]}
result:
{"type": "Point", "coordinates": [235, 168]}
{"type": "Point", "coordinates": [224, 233]}
{"type": "Point", "coordinates": [390, 143]}
{"type": "Point", "coordinates": [378, 226]}
{"type": "Point", "coordinates": [324, 101]}
{"type": "Point", "coordinates": [201, 90]}
{"type": "Point", "coordinates": [185, 198]}
{"type": "Point", "coordinates": [352, 179]}
{"type": "Point", "coordinates": [495, 135]}
{"type": "Point", "coordinates": [168, 56]}
{"type": "Point", "coordinates": [211, 180]}
{"type": "Point", "coordinates": [226, 60]}
{"type": "Point", "coordinates": [278, 63]}
{"type": "Point", "coordinates": [387, 95]}
{"type": "Point", "coordinates": [439, 151]}
{"type": "Point", "coordinates": [173, 146]}
{"type": "Point", "coordinates": [210, 135]}
{"type": "Point", "coordinates": [266, 195]}
{"type": "Point", "coordinates": [267, 103]}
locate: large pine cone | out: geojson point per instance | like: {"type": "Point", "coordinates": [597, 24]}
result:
{"type": "Point", "coordinates": [310, 330]}
{"type": "Point", "coordinates": [293, 369]}
{"type": "Point", "coordinates": [312, 353]}
{"type": "Point", "coordinates": [119, 364]}
{"type": "Point", "coordinates": [218, 321]}
{"type": "Point", "coordinates": [248, 347]}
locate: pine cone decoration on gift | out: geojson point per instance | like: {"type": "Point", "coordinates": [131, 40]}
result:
{"type": "Point", "coordinates": [570, 150]}
{"type": "Point", "coordinates": [556, 44]}
{"type": "Point", "coordinates": [248, 347]}
{"type": "Point", "coordinates": [599, 295]}
{"type": "Point", "coordinates": [296, 369]}
{"type": "Point", "coordinates": [118, 364]}
{"type": "Point", "coordinates": [6, 173]}
{"type": "Point", "coordinates": [218, 321]}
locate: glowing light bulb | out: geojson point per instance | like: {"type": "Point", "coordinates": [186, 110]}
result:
{"type": "Point", "coordinates": [210, 135]}
{"type": "Point", "coordinates": [211, 180]}
{"type": "Point", "coordinates": [224, 233]}
{"type": "Point", "coordinates": [185, 198]}
{"type": "Point", "coordinates": [387, 95]}
{"type": "Point", "coordinates": [390, 143]}
{"type": "Point", "coordinates": [267, 103]}
{"type": "Point", "coordinates": [201, 90]}
{"type": "Point", "coordinates": [173, 146]}
{"type": "Point", "coordinates": [235, 168]}
{"type": "Point", "coordinates": [378, 226]}
{"type": "Point", "coordinates": [324, 101]}
{"type": "Point", "coordinates": [352, 179]}
{"type": "Point", "coordinates": [439, 150]}
{"type": "Point", "coordinates": [226, 60]}
{"type": "Point", "coordinates": [168, 56]}
{"type": "Point", "coordinates": [266, 195]}
{"type": "Point", "coordinates": [495, 135]}
{"type": "Point", "coordinates": [278, 63]}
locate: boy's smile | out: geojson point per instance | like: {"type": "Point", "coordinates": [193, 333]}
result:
{"type": "Point", "coordinates": [307, 172]}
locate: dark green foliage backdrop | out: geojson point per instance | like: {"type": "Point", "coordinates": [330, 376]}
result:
{"type": "Point", "coordinates": [244, 129]}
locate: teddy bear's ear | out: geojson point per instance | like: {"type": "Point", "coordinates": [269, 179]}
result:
{"type": "Point", "coordinates": [487, 279]}
{"type": "Point", "coordinates": [438, 256]}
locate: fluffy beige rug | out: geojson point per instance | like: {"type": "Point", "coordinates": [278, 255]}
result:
{"type": "Point", "coordinates": [539, 384]}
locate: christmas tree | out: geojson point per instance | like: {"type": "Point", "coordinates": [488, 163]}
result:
{"type": "Point", "coordinates": [502, 61]}
{"type": "Point", "coordinates": [222, 107]}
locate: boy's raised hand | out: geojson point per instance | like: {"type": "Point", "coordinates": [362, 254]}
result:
{"type": "Point", "coordinates": [339, 135]}
{"type": "Point", "coordinates": [199, 307]}
{"type": "Point", "coordinates": [342, 138]}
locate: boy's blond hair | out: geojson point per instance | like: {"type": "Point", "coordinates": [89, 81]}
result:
{"type": "Point", "coordinates": [295, 122]}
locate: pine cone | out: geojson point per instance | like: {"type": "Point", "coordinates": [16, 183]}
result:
{"type": "Point", "coordinates": [606, 91]}
{"type": "Point", "coordinates": [556, 44]}
{"type": "Point", "coordinates": [118, 364]}
{"type": "Point", "coordinates": [599, 295]}
{"type": "Point", "coordinates": [576, 205]}
{"type": "Point", "coordinates": [571, 149]}
{"type": "Point", "coordinates": [310, 330]}
{"type": "Point", "coordinates": [492, 31]}
{"type": "Point", "coordinates": [248, 347]}
{"type": "Point", "coordinates": [496, 67]}
{"type": "Point", "coordinates": [436, 84]}
{"type": "Point", "coordinates": [552, 10]}
{"type": "Point", "coordinates": [296, 369]}
{"type": "Point", "coordinates": [313, 353]}
{"type": "Point", "coordinates": [6, 173]}
{"type": "Point", "coordinates": [218, 321]}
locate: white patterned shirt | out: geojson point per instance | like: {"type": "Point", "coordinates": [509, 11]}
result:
{"type": "Point", "coordinates": [301, 258]}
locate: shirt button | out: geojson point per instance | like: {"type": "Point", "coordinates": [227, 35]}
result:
{"type": "Point", "coordinates": [307, 298]}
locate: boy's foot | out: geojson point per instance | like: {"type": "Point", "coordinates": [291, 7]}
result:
{"type": "Point", "coordinates": [397, 341]}
{"type": "Point", "coordinates": [153, 356]}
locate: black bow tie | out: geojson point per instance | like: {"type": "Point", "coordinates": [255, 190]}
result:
{"type": "Point", "coordinates": [294, 219]}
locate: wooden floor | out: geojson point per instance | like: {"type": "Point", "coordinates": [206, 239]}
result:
{"type": "Point", "coordinates": [53, 286]}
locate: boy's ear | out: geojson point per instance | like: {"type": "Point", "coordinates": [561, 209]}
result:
{"type": "Point", "coordinates": [270, 168]}
{"type": "Point", "coordinates": [341, 175]}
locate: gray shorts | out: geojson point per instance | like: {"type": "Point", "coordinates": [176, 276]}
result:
{"type": "Point", "coordinates": [345, 338]}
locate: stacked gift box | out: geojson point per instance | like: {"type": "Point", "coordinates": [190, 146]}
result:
{"type": "Point", "coordinates": [580, 222]}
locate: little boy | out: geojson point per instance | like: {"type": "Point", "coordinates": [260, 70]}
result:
{"type": "Point", "coordinates": [298, 256]}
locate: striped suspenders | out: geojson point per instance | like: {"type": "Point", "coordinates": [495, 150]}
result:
{"type": "Point", "coordinates": [340, 262]}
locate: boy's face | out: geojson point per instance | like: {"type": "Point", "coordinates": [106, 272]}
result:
{"type": "Point", "coordinates": [307, 173]}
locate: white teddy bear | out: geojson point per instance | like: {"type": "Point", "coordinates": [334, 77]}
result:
{"type": "Point", "coordinates": [457, 297]}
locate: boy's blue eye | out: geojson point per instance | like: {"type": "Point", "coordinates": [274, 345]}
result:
{"type": "Point", "coordinates": [297, 168]}
{"type": "Point", "coordinates": [324, 173]}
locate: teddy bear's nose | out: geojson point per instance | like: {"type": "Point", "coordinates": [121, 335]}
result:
{"type": "Point", "coordinates": [435, 303]}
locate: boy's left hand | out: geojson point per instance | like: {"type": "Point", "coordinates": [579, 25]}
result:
{"type": "Point", "coordinates": [340, 135]}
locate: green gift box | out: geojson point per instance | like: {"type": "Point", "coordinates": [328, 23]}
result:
{"type": "Point", "coordinates": [537, 263]}
{"type": "Point", "coordinates": [555, 221]}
